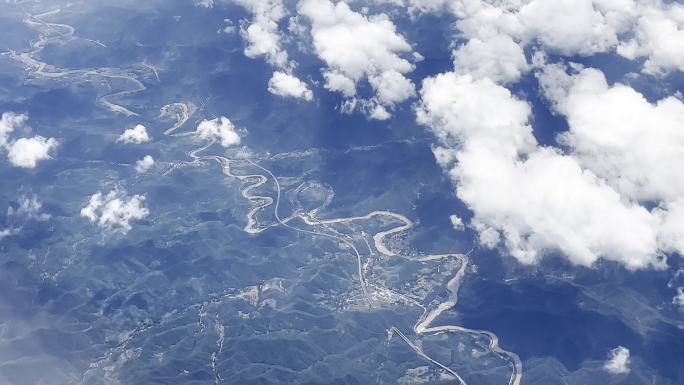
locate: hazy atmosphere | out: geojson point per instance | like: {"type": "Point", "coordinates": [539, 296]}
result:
{"type": "Point", "coordinates": [353, 192]}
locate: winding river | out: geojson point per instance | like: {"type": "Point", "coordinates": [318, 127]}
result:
{"type": "Point", "coordinates": [54, 32]}
{"type": "Point", "coordinates": [318, 227]}
{"type": "Point", "coordinates": [181, 112]}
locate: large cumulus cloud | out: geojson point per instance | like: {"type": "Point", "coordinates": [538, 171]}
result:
{"type": "Point", "coordinates": [529, 198]}
{"type": "Point", "coordinates": [115, 210]}
{"type": "Point", "coordinates": [356, 47]}
{"type": "Point", "coordinates": [610, 188]}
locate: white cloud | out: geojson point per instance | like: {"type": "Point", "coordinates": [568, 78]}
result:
{"type": "Point", "coordinates": [286, 85]}
{"type": "Point", "coordinates": [417, 6]}
{"type": "Point", "coordinates": [679, 298]}
{"type": "Point", "coordinates": [355, 46]}
{"type": "Point", "coordinates": [671, 215]}
{"type": "Point", "coordinates": [636, 146]}
{"type": "Point", "coordinates": [618, 361]}
{"type": "Point", "coordinates": [29, 207]}
{"type": "Point", "coordinates": [499, 58]}
{"type": "Point", "coordinates": [420, 6]}
{"type": "Point", "coordinates": [296, 27]}
{"type": "Point", "coordinates": [135, 135]}
{"type": "Point", "coordinates": [378, 112]}
{"type": "Point", "coordinates": [488, 236]}
{"type": "Point", "coordinates": [456, 222]}
{"type": "Point", "coordinates": [204, 3]}
{"type": "Point", "coordinates": [229, 28]}
{"type": "Point", "coordinates": [653, 29]}
{"type": "Point", "coordinates": [458, 108]}
{"type": "Point", "coordinates": [548, 202]}
{"type": "Point", "coordinates": [9, 122]}
{"type": "Point", "coordinates": [26, 152]}
{"type": "Point", "coordinates": [659, 36]}
{"type": "Point", "coordinates": [533, 198]}
{"type": "Point", "coordinates": [444, 156]}
{"type": "Point", "coordinates": [484, 20]}
{"type": "Point", "coordinates": [621, 13]}
{"type": "Point", "coordinates": [621, 155]}
{"type": "Point", "coordinates": [115, 210]}
{"type": "Point", "coordinates": [264, 39]}
{"type": "Point", "coordinates": [6, 233]}
{"type": "Point", "coordinates": [392, 87]}
{"type": "Point", "coordinates": [568, 26]}
{"type": "Point", "coordinates": [335, 81]}
{"type": "Point", "coordinates": [352, 43]}
{"type": "Point", "coordinates": [221, 129]}
{"type": "Point", "coordinates": [261, 34]}
{"type": "Point", "coordinates": [23, 152]}
{"type": "Point", "coordinates": [144, 164]}
{"type": "Point", "coordinates": [621, 136]}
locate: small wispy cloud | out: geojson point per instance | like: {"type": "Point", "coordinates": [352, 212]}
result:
{"type": "Point", "coordinates": [618, 361]}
